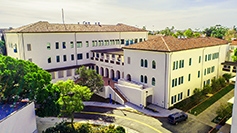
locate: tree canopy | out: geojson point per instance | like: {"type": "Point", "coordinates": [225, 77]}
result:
{"type": "Point", "coordinates": [89, 78]}
{"type": "Point", "coordinates": [3, 47]}
{"type": "Point", "coordinates": [234, 56]}
{"type": "Point", "coordinates": [188, 33]}
{"type": "Point", "coordinates": [216, 31]}
{"type": "Point", "coordinates": [71, 97]}
{"type": "Point", "coordinates": [20, 79]}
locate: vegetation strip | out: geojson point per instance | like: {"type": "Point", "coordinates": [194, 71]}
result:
{"type": "Point", "coordinates": [120, 117]}
{"type": "Point", "coordinates": [208, 102]}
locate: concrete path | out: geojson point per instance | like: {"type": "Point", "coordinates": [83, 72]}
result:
{"type": "Point", "coordinates": [46, 122]}
{"type": "Point", "coordinates": [129, 106]}
{"type": "Point", "coordinates": [210, 113]}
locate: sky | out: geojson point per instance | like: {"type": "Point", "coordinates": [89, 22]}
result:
{"type": "Point", "coordinates": [154, 14]}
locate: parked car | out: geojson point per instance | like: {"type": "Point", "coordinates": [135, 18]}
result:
{"type": "Point", "coordinates": [177, 117]}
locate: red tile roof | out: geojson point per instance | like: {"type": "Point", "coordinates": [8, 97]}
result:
{"type": "Point", "coordinates": [170, 43]}
{"type": "Point", "coordinates": [45, 27]}
{"type": "Point", "coordinates": [233, 43]}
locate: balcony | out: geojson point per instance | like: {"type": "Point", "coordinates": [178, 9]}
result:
{"type": "Point", "coordinates": [226, 69]}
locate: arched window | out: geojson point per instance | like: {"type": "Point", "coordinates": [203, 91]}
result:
{"type": "Point", "coordinates": [153, 64]}
{"type": "Point", "coordinates": [141, 78]}
{"type": "Point", "coordinates": [141, 62]}
{"type": "Point", "coordinates": [153, 81]}
{"type": "Point", "coordinates": [145, 63]}
{"type": "Point", "coordinates": [145, 79]}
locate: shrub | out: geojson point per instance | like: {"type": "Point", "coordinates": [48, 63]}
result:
{"type": "Point", "coordinates": [120, 129]}
{"type": "Point", "coordinates": [227, 76]}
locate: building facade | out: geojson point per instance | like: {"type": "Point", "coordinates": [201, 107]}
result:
{"type": "Point", "coordinates": [163, 70]}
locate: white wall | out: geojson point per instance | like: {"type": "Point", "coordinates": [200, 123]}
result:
{"type": "Point", "coordinates": [107, 90]}
{"type": "Point", "coordinates": [23, 121]}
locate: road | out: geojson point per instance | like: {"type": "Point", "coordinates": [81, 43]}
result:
{"type": "Point", "coordinates": [142, 123]}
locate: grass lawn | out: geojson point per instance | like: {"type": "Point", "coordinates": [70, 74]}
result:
{"type": "Point", "coordinates": [201, 107]}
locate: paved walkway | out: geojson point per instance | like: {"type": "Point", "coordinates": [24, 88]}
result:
{"type": "Point", "coordinates": [46, 122]}
{"type": "Point", "coordinates": [210, 113]}
{"type": "Point", "coordinates": [129, 106]}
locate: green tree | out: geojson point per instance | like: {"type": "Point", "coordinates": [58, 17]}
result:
{"type": "Point", "coordinates": [207, 89]}
{"type": "Point", "coordinates": [224, 109]}
{"type": "Point", "coordinates": [71, 98]}
{"type": "Point", "coordinates": [3, 47]}
{"type": "Point", "coordinates": [227, 76]}
{"type": "Point", "coordinates": [217, 31]}
{"type": "Point", "coordinates": [89, 78]}
{"type": "Point", "coordinates": [47, 100]}
{"type": "Point", "coordinates": [189, 33]}
{"type": "Point", "coordinates": [21, 79]}
{"type": "Point", "coordinates": [197, 34]}
{"type": "Point", "coordinates": [234, 56]}
{"type": "Point", "coordinates": [167, 32]}
{"type": "Point", "coordinates": [230, 34]}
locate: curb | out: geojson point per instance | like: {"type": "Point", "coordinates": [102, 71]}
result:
{"type": "Point", "coordinates": [125, 110]}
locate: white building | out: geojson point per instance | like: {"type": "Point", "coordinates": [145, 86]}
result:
{"type": "Point", "coordinates": [163, 70]}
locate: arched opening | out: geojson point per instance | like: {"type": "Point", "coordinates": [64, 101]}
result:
{"type": "Point", "coordinates": [153, 64]}
{"type": "Point", "coordinates": [129, 77]}
{"type": "Point", "coordinates": [141, 62]}
{"type": "Point", "coordinates": [146, 63]}
{"type": "Point", "coordinates": [106, 72]}
{"type": "Point", "coordinates": [118, 74]}
{"type": "Point", "coordinates": [148, 100]}
{"type": "Point", "coordinates": [112, 74]}
{"type": "Point", "coordinates": [141, 79]}
{"type": "Point", "coordinates": [102, 71]}
{"type": "Point", "coordinates": [145, 79]}
{"type": "Point", "coordinates": [153, 82]}
{"type": "Point", "coordinates": [97, 69]}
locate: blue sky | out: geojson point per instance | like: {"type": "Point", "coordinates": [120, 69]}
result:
{"type": "Point", "coordinates": [154, 14]}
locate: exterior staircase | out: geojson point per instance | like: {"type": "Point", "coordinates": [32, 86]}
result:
{"type": "Point", "coordinates": [118, 92]}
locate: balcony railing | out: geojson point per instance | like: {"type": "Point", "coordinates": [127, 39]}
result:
{"type": "Point", "coordinates": [226, 69]}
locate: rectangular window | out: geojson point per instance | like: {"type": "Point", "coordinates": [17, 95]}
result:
{"type": "Point", "coordinates": [177, 64]}
{"type": "Point", "coordinates": [208, 81]}
{"type": "Point", "coordinates": [28, 47]}
{"type": "Point", "coordinates": [128, 60]}
{"type": "Point", "coordinates": [179, 80]}
{"type": "Point", "coordinates": [205, 71]}
{"type": "Point", "coordinates": [87, 55]}
{"type": "Point", "coordinates": [140, 40]}
{"type": "Point", "coordinates": [79, 44]}
{"type": "Point", "coordinates": [72, 45]}
{"type": "Point", "coordinates": [198, 74]}
{"type": "Point", "coordinates": [172, 100]}
{"type": "Point", "coordinates": [135, 41]}
{"type": "Point", "coordinates": [208, 70]}
{"type": "Point", "coordinates": [93, 43]}
{"type": "Point", "coordinates": [72, 56]}
{"type": "Point", "coordinates": [53, 75]}
{"type": "Point", "coordinates": [117, 41]}
{"type": "Point", "coordinates": [60, 74]}
{"type": "Point", "coordinates": [49, 60]}
{"type": "Point", "coordinates": [79, 57]}
{"type": "Point", "coordinates": [209, 57]}
{"type": "Point", "coordinates": [111, 42]}
{"type": "Point", "coordinates": [189, 77]}
{"type": "Point", "coordinates": [122, 41]}
{"type": "Point", "coordinates": [190, 61]}
{"type": "Point", "coordinates": [181, 95]}
{"type": "Point", "coordinates": [64, 45]}
{"type": "Point", "coordinates": [64, 57]}
{"type": "Point", "coordinates": [175, 99]}
{"type": "Point", "coordinates": [175, 82]}
{"type": "Point", "coordinates": [87, 43]}
{"type": "Point", "coordinates": [96, 43]}
{"type": "Point", "coordinates": [57, 59]}
{"type": "Point", "coordinates": [174, 65]}
{"type": "Point", "coordinates": [69, 72]}
{"type": "Point", "coordinates": [213, 56]}
{"type": "Point", "coordinates": [178, 97]}
{"type": "Point", "coordinates": [205, 57]}
{"type": "Point", "coordinates": [102, 42]}
{"type": "Point", "coordinates": [180, 63]}
{"type": "Point", "coordinates": [48, 46]}
{"type": "Point", "coordinates": [57, 45]}
{"type": "Point", "coordinates": [199, 59]}
{"type": "Point", "coordinates": [182, 79]}
{"type": "Point", "coordinates": [213, 69]}
{"type": "Point", "coordinates": [127, 42]}
{"type": "Point", "coordinates": [188, 93]}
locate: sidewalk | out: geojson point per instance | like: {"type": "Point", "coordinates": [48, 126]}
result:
{"type": "Point", "coordinates": [129, 106]}
{"type": "Point", "coordinates": [46, 122]}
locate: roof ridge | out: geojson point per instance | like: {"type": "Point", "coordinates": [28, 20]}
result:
{"type": "Point", "coordinates": [30, 25]}
{"type": "Point", "coordinates": [165, 43]}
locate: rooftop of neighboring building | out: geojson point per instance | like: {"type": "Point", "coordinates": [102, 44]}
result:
{"type": "Point", "coordinates": [8, 109]}
{"type": "Point", "coordinates": [46, 27]}
{"type": "Point", "coordinates": [172, 44]}
{"type": "Point", "coordinates": [234, 42]}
